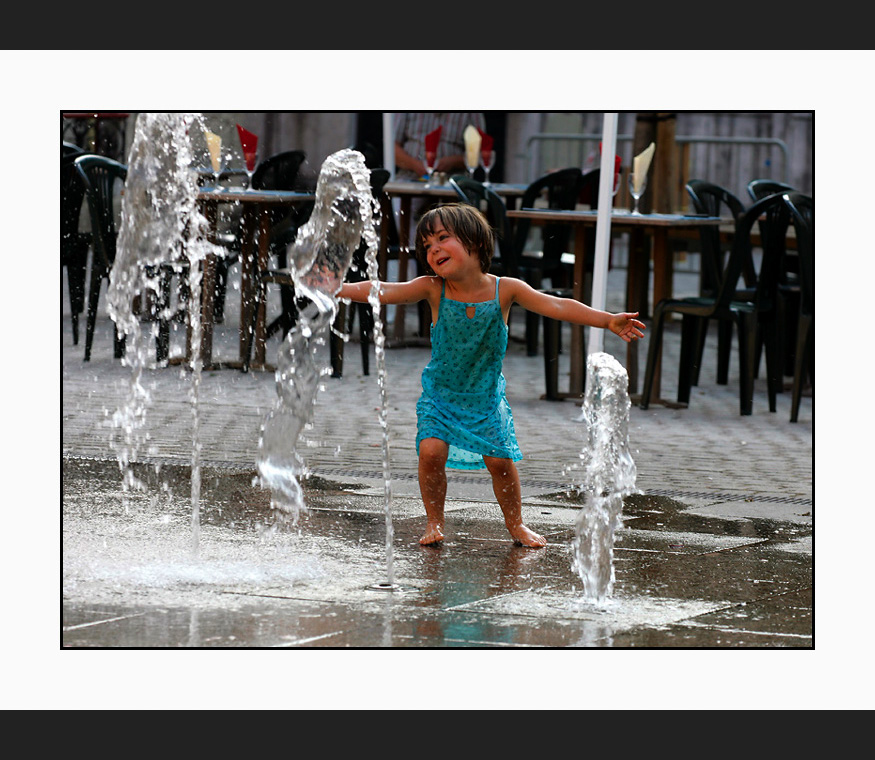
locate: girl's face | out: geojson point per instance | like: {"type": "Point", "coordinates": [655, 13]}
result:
{"type": "Point", "coordinates": [445, 253]}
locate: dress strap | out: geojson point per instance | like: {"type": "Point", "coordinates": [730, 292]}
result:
{"type": "Point", "coordinates": [497, 280]}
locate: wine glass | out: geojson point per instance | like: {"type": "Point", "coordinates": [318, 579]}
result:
{"type": "Point", "coordinates": [249, 148]}
{"type": "Point", "coordinates": [214, 145]}
{"type": "Point", "coordinates": [471, 163]}
{"type": "Point", "coordinates": [430, 161]}
{"type": "Point", "coordinates": [616, 186]}
{"type": "Point", "coordinates": [218, 167]}
{"type": "Point", "coordinates": [637, 192]}
{"type": "Point", "coordinates": [250, 161]}
{"type": "Point", "coordinates": [487, 161]}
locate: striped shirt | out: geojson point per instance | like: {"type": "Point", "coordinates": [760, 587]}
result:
{"type": "Point", "coordinates": [411, 129]}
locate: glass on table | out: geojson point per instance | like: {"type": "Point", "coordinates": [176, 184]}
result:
{"type": "Point", "coordinates": [471, 162]}
{"type": "Point", "coordinates": [214, 146]}
{"type": "Point", "coordinates": [637, 186]}
{"type": "Point", "coordinates": [250, 161]}
{"type": "Point", "coordinates": [487, 161]}
{"type": "Point", "coordinates": [249, 146]}
{"type": "Point", "coordinates": [430, 161]}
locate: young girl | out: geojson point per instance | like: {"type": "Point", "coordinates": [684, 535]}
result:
{"type": "Point", "coordinates": [464, 420]}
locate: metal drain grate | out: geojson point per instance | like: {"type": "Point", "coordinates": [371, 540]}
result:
{"type": "Point", "coordinates": [547, 485]}
{"type": "Point", "coordinates": [797, 500]}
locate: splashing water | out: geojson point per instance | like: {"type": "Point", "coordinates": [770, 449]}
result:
{"type": "Point", "coordinates": [319, 259]}
{"type": "Point", "coordinates": [608, 474]}
{"type": "Point", "coordinates": [161, 232]}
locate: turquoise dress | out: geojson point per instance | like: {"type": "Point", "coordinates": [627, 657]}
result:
{"type": "Point", "coordinates": [463, 400]}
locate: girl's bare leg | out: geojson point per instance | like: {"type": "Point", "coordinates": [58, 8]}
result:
{"type": "Point", "coordinates": [433, 487]}
{"type": "Point", "coordinates": [506, 485]}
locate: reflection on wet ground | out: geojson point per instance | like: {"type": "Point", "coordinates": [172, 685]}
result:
{"type": "Point", "coordinates": [682, 579]}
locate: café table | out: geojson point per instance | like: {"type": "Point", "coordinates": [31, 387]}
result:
{"type": "Point", "coordinates": [658, 227]}
{"type": "Point", "coordinates": [206, 175]}
{"type": "Point", "coordinates": [256, 207]}
{"type": "Point", "coordinates": [406, 191]}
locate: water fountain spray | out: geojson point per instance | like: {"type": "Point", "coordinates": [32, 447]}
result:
{"type": "Point", "coordinates": [318, 260]}
{"type": "Point", "coordinates": [608, 474]}
{"type": "Point", "coordinates": [162, 232]}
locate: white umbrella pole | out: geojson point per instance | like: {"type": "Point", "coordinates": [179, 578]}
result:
{"type": "Point", "coordinates": [388, 145]}
{"type": "Point", "coordinates": [603, 227]}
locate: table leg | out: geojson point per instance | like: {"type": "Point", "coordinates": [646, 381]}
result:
{"type": "Point", "coordinates": [247, 282]}
{"type": "Point", "coordinates": [403, 255]}
{"type": "Point", "coordinates": [383, 255]}
{"type": "Point", "coordinates": [637, 277]}
{"type": "Point", "coordinates": [208, 285]}
{"type": "Point", "coordinates": [208, 296]}
{"type": "Point", "coordinates": [260, 336]}
{"type": "Point", "coordinates": [576, 381]}
{"type": "Point", "coordinates": [383, 252]}
{"type": "Point", "coordinates": [662, 288]}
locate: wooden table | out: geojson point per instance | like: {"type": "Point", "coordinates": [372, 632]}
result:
{"type": "Point", "coordinates": [658, 227]}
{"type": "Point", "coordinates": [406, 191]}
{"type": "Point", "coordinates": [257, 205]}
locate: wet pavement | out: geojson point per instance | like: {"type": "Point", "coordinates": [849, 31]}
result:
{"type": "Point", "coordinates": [716, 551]}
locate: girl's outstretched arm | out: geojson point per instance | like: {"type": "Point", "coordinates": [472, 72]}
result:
{"type": "Point", "coordinates": [412, 291]}
{"type": "Point", "coordinates": [623, 324]}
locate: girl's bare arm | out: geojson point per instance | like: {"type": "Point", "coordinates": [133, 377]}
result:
{"type": "Point", "coordinates": [415, 290]}
{"type": "Point", "coordinates": [571, 310]}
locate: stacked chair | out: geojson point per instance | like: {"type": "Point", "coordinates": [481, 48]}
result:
{"type": "Point", "coordinates": [562, 189]}
{"type": "Point", "coordinates": [714, 200]}
{"type": "Point", "coordinates": [751, 308]}
{"type": "Point", "coordinates": [801, 208]}
{"type": "Point", "coordinates": [758, 189]}
{"type": "Point", "coordinates": [74, 242]}
{"type": "Point", "coordinates": [98, 176]}
{"type": "Point", "coordinates": [789, 292]}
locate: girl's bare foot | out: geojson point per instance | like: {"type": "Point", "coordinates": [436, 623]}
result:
{"type": "Point", "coordinates": [526, 537]}
{"type": "Point", "coordinates": [433, 535]}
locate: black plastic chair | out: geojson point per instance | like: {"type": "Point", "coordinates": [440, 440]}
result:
{"type": "Point", "coordinates": [789, 292]}
{"type": "Point", "coordinates": [585, 190]}
{"type": "Point", "coordinates": [74, 242]}
{"type": "Point", "coordinates": [801, 209]}
{"type": "Point", "coordinates": [358, 272]}
{"type": "Point", "coordinates": [99, 176]}
{"type": "Point", "coordinates": [562, 189]}
{"type": "Point", "coordinates": [280, 172]}
{"type": "Point", "coordinates": [758, 189]}
{"type": "Point", "coordinates": [748, 315]}
{"type": "Point", "coordinates": [69, 149]}
{"type": "Point", "coordinates": [589, 193]}
{"type": "Point", "coordinates": [714, 200]}
{"type": "Point", "coordinates": [485, 199]}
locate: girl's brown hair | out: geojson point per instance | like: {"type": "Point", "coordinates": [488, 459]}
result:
{"type": "Point", "coordinates": [462, 221]}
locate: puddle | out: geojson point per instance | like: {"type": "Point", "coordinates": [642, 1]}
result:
{"type": "Point", "coordinates": [681, 579]}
